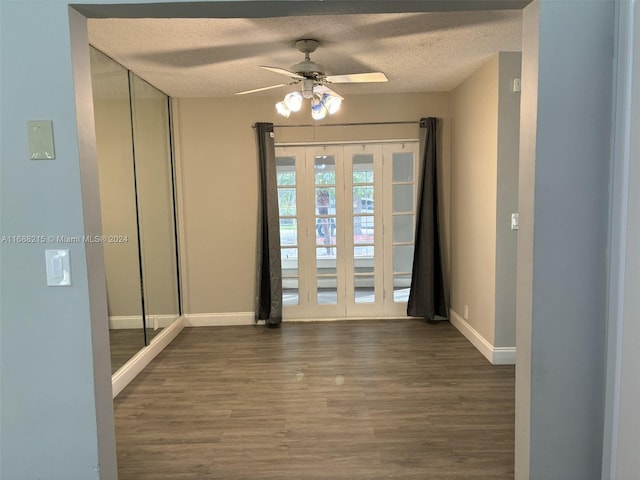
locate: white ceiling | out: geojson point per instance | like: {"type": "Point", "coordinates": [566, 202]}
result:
{"type": "Point", "coordinates": [218, 57]}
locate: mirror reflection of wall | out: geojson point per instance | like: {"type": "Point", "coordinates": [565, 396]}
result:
{"type": "Point", "coordinates": [137, 203]}
{"type": "Point", "coordinates": [154, 186]}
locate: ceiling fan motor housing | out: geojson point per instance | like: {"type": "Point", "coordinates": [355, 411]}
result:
{"type": "Point", "coordinates": [307, 68]}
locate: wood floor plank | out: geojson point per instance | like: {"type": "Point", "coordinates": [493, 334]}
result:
{"type": "Point", "coordinates": [375, 400]}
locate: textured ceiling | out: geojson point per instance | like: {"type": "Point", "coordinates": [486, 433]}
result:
{"type": "Point", "coordinates": [218, 57]}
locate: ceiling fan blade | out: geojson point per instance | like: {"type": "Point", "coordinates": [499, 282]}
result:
{"type": "Point", "coordinates": [262, 89]}
{"type": "Point", "coordinates": [358, 78]}
{"type": "Point", "coordinates": [282, 71]}
{"type": "Point", "coordinates": [319, 88]}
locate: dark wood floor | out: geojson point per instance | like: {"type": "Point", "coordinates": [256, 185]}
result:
{"type": "Point", "coordinates": [345, 400]}
{"type": "Point", "coordinates": [124, 343]}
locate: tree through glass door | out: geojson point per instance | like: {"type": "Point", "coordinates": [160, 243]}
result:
{"type": "Point", "coordinates": [335, 202]}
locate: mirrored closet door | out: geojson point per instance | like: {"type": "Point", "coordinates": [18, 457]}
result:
{"type": "Point", "coordinates": [138, 206]}
{"type": "Point", "coordinates": [155, 203]}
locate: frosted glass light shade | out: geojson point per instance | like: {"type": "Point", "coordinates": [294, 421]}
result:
{"type": "Point", "coordinates": [332, 103]}
{"type": "Point", "coordinates": [318, 109]}
{"type": "Point", "coordinates": [282, 109]}
{"type": "Point", "coordinates": [293, 101]}
{"type": "Point", "coordinates": [322, 104]}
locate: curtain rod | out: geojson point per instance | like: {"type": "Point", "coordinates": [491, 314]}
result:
{"type": "Point", "coordinates": [345, 124]}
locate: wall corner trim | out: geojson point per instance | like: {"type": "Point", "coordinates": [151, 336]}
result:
{"type": "Point", "coordinates": [140, 360]}
{"type": "Point", "coordinates": [495, 355]}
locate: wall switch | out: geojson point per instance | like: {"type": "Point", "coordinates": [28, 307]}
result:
{"type": "Point", "coordinates": [466, 312]}
{"type": "Point", "coordinates": [515, 221]}
{"type": "Point", "coordinates": [58, 268]}
{"type": "Point", "coordinates": [517, 85]}
{"type": "Point", "coordinates": [40, 138]}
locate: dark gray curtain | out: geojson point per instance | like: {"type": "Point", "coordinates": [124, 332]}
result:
{"type": "Point", "coordinates": [269, 274]}
{"type": "Point", "coordinates": [427, 294]}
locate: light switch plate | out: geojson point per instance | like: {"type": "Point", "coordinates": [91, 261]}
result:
{"type": "Point", "coordinates": [517, 85]}
{"type": "Point", "coordinates": [515, 221]}
{"type": "Point", "coordinates": [40, 138]}
{"type": "Point", "coordinates": [58, 268]}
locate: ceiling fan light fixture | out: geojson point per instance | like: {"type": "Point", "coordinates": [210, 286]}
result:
{"type": "Point", "coordinates": [313, 84]}
{"type": "Point", "coordinates": [282, 109]}
{"type": "Point", "coordinates": [332, 103]}
{"type": "Point", "coordinates": [318, 108]}
{"type": "Point", "coordinates": [322, 104]}
{"type": "Point", "coordinates": [293, 101]}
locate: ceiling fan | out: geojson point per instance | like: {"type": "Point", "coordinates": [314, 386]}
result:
{"type": "Point", "coordinates": [314, 84]}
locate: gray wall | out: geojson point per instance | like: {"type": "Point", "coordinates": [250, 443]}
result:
{"type": "Point", "coordinates": [564, 219]}
{"type": "Point", "coordinates": [622, 423]}
{"type": "Point", "coordinates": [507, 198]}
{"type": "Point", "coordinates": [57, 412]}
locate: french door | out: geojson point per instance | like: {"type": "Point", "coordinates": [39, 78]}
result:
{"type": "Point", "coordinates": [347, 215]}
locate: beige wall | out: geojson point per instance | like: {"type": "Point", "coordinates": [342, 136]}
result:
{"type": "Point", "coordinates": [474, 151]}
{"type": "Point", "coordinates": [215, 151]}
{"type": "Point", "coordinates": [484, 178]}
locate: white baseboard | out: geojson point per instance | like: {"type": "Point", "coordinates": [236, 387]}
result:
{"type": "Point", "coordinates": [495, 355]}
{"type": "Point", "coordinates": [135, 321]}
{"type": "Point", "coordinates": [340, 319]}
{"type": "Point", "coordinates": [504, 355]}
{"type": "Point", "coordinates": [248, 318]}
{"type": "Point", "coordinates": [218, 319]}
{"type": "Point", "coordinates": [140, 360]}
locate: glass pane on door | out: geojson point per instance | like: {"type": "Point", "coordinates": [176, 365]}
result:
{"type": "Point", "coordinates": [288, 231]}
{"type": "Point", "coordinates": [327, 290]}
{"type": "Point", "coordinates": [402, 258]}
{"type": "Point", "coordinates": [363, 229]}
{"type": "Point", "coordinates": [403, 228]}
{"type": "Point", "coordinates": [402, 198]}
{"type": "Point", "coordinates": [403, 167]}
{"type": "Point", "coordinates": [325, 170]}
{"type": "Point", "coordinates": [325, 220]}
{"type": "Point", "coordinates": [401, 285]}
{"type": "Point", "coordinates": [288, 212]}
{"type": "Point", "coordinates": [403, 173]}
{"type": "Point", "coordinates": [362, 171]}
{"type": "Point", "coordinates": [363, 199]}
{"type": "Point", "coordinates": [325, 229]}
{"type": "Point", "coordinates": [325, 232]}
{"type": "Point", "coordinates": [363, 278]}
{"type": "Point", "coordinates": [290, 273]}
{"type": "Point", "coordinates": [287, 201]}
{"type": "Point", "coordinates": [364, 288]}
